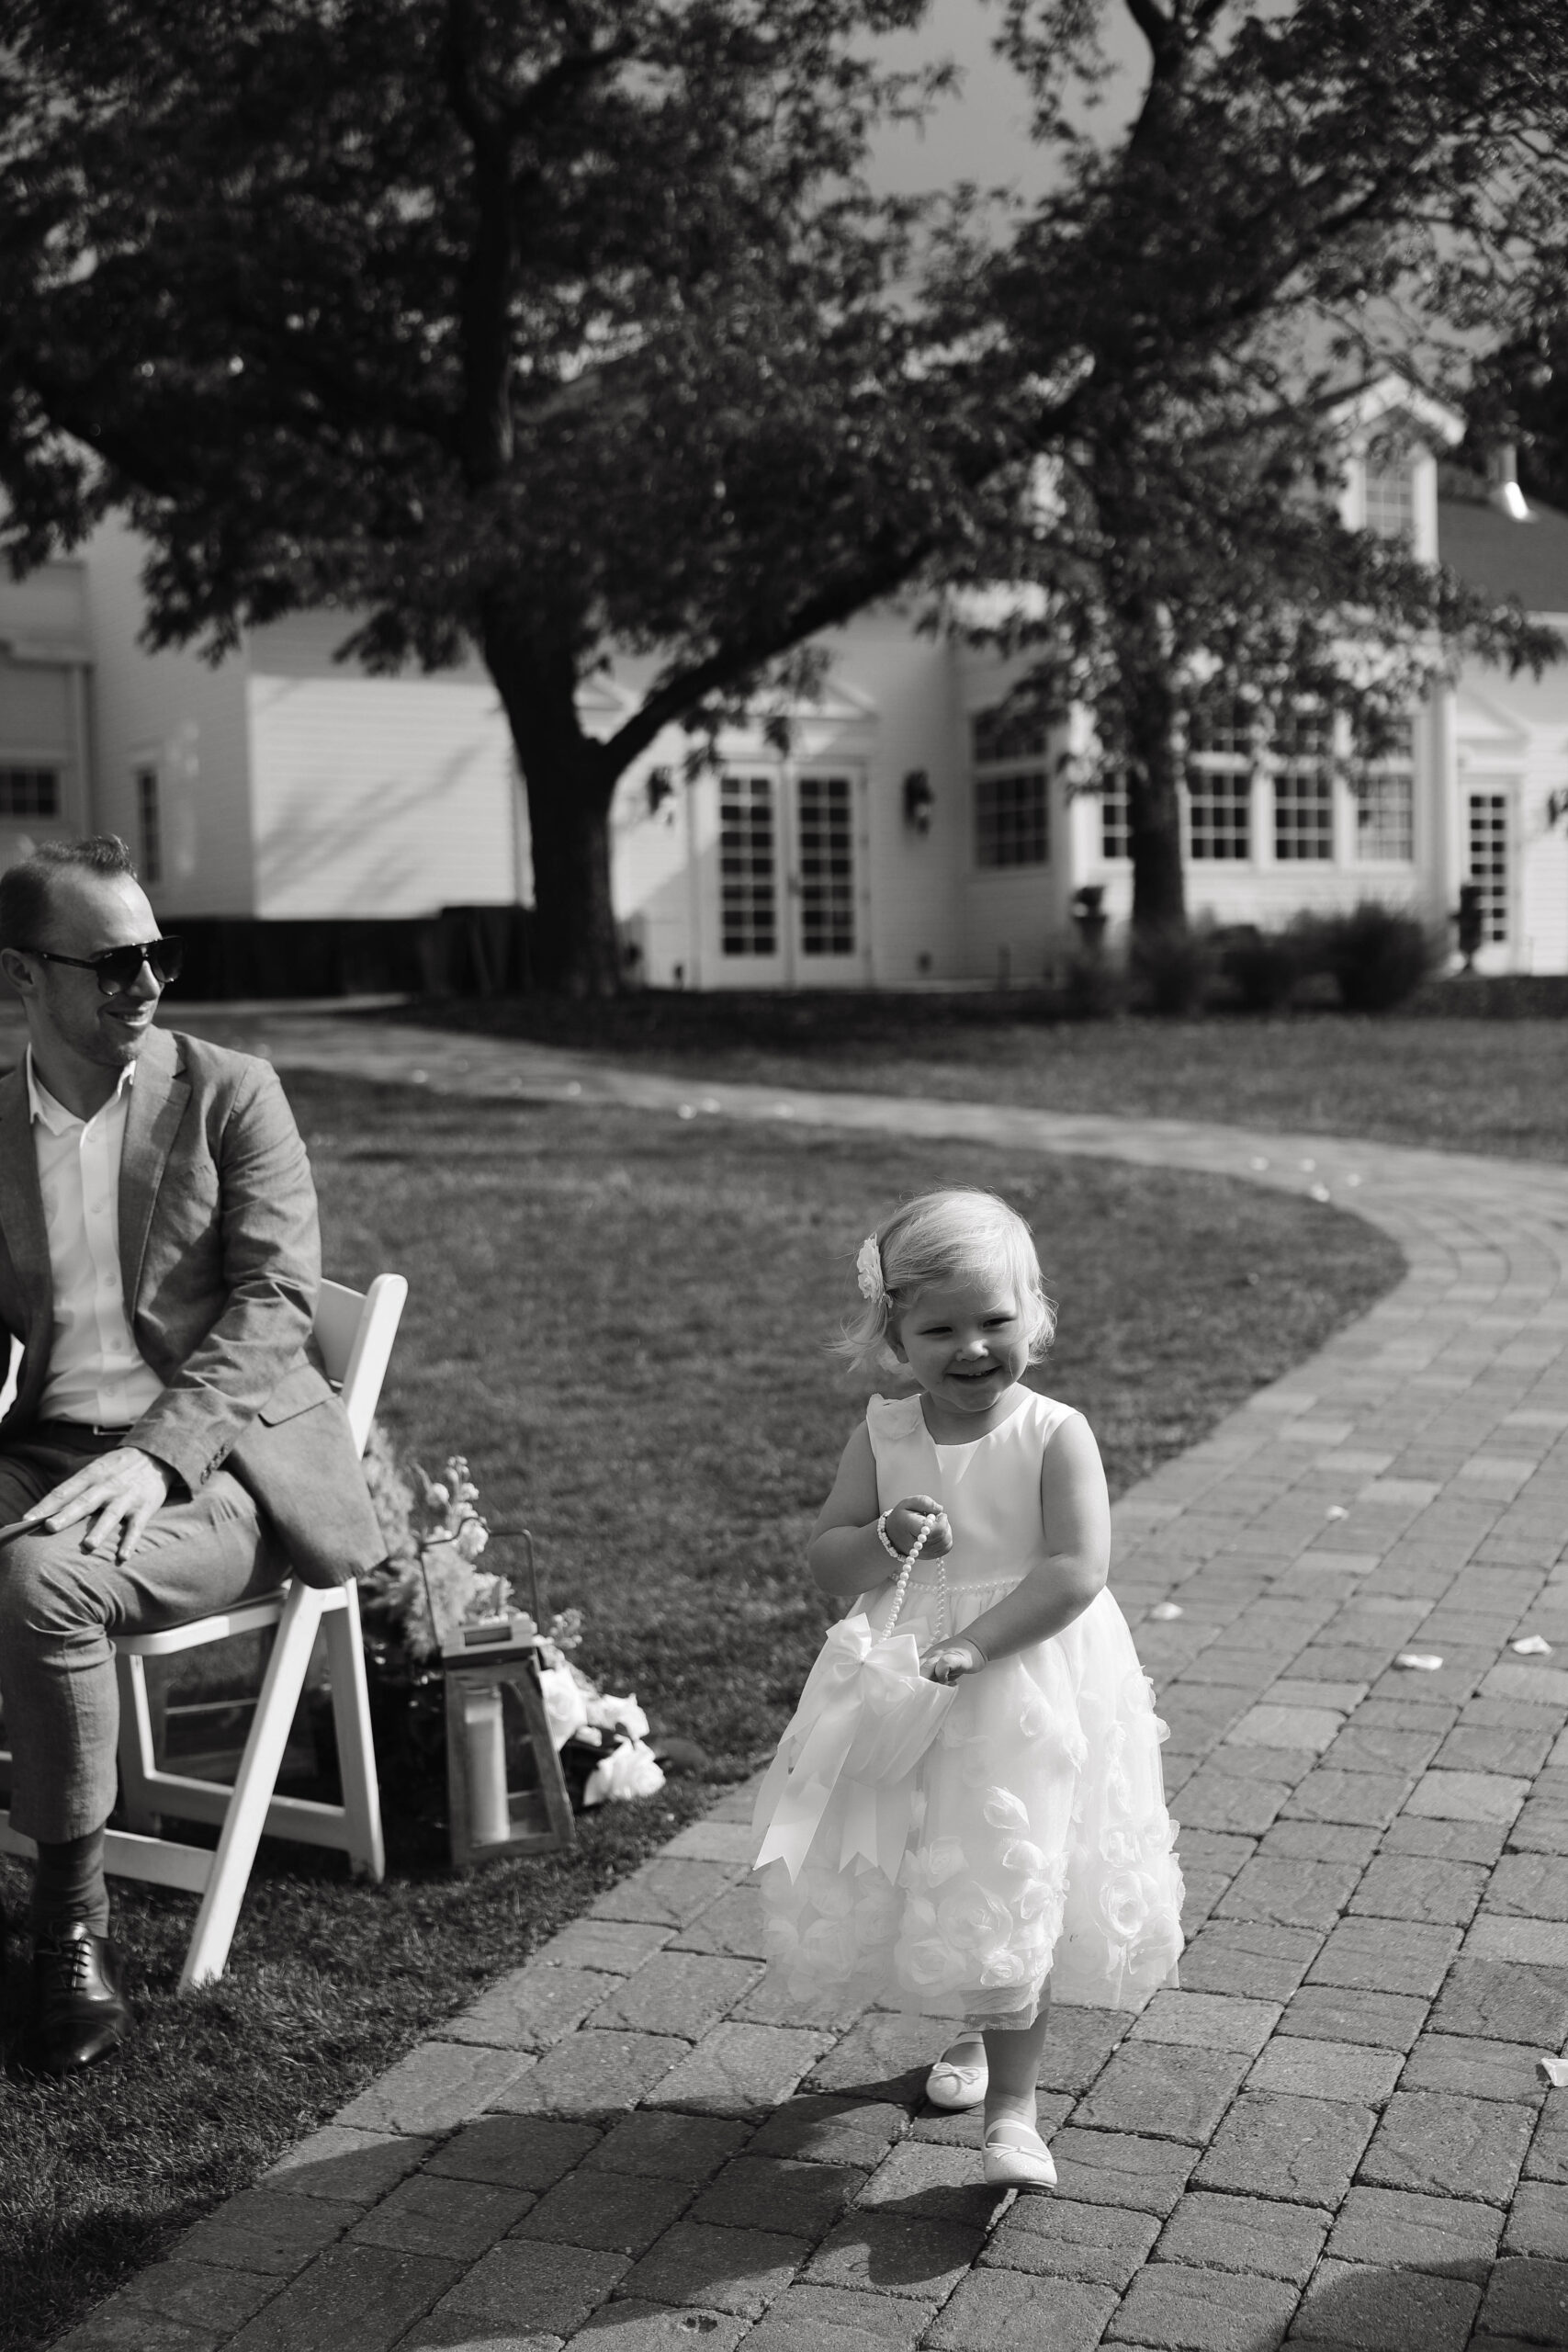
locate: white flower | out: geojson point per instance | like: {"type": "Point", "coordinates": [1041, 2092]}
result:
{"type": "Point", "coordinates": [827, 1892]}
{"type": "Point", "coordinates": [565, 1705]}
{"type": "Point", "coordinates": [828, 1945]}
{"type": "Point", "coordinates": [628, 1770]}
{"type": "Point", "coordinates": [868, 1270]}
{"type": "Point", "coordinates": [972, 1916]}
{"type": "Point", "coordinates": [617, 1714]}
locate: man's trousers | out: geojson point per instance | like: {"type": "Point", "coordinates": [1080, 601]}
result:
{"type": "Point", "coordinates": [60, 1604]}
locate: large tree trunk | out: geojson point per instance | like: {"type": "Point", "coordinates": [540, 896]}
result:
{"type": "Point", "coordinates": [569, 779]}
{"type": "Point", "coordinates": [1153, 796]}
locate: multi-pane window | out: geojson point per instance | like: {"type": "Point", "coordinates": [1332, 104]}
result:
{"type": "Point", "coordinates": [826, 865]}
{"type": "Point", "coordinates": [1489, 861]}
{"type": "Point", "coordinates": [1219, 758]}
{"type": "Point", "coordinates": [1303, 787]}
{"type": "Point", "coordinates": [1009, 737]}
{"type": "Point", "coordinates": [1385, 804]}
{"type": "Point", "coordinates": [1115, 838]}
{"type": "Point", "coordinates": [748, 867]}
{"type": "Point", "coordinates": [1012, 823]}
{"type": "Point", "coordinates": [1391, 493]}
{"type": "Point", "coordinates": [29, 792]}
{"type": "Point", "coordinates": [149, 824]}
{"type": "Point", "coordinates": [1012, 809]}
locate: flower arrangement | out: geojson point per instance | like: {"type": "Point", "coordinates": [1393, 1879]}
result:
{"type": "Point", "coordinates": [434, 1583]}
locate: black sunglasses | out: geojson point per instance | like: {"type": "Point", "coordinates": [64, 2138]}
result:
{"type": "Point", "coordinates": [118, 968]}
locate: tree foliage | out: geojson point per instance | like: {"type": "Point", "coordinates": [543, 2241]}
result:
{"type": "Point", "coordinates": [1304, 197]}
{"type": "Point", "coordinates": [552, 328]}
{"type": "Point", "coordinates": [538, 326]}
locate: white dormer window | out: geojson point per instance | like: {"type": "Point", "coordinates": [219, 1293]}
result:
{"type": "Point", "coordinates": [1390, 506]}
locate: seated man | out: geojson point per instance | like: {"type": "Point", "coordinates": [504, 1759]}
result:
{"type": "Point", "coordinates": [171, 1448]}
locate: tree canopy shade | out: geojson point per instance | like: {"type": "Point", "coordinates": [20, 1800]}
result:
{"type": "Point", "coordinates": [558, 327]}
{"type": "Point", "coordinates": [542, 326]}
{"type": "Point", "coordinates": [1305, 196]}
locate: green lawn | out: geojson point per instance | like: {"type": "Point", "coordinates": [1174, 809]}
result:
{"type": "Point", "coordinates": [1458, 1084]}
{"type": "Point", "coordinates": [621, 1320]}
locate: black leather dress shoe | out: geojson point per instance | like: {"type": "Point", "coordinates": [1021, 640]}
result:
{"type": "Point", "coordinates": [79, 2012]}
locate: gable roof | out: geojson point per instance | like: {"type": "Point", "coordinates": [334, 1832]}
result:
{"type": "Point", "coordinates": [1500, 557]}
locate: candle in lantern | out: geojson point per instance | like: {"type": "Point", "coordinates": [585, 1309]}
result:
{"type": "Point", "coordinates": [485, 1743]}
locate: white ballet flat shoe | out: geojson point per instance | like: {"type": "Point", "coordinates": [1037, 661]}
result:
{"type": "Point", "coordinates": [1015, 2156]}
{"type": "Point", "coordinates": [955, 2086]}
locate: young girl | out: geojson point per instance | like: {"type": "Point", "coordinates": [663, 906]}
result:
{"type": "Point", "coordinates": [1029, 1849]}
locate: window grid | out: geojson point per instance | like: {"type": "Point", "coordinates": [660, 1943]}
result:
{"type": "Point", "coordinates": [1489, 861]}
{"type": "Point", "coordinates": [1391, 496]}
{"type": "Point", "coordinates": [1303, 788]}
{"type": "Point", "coordinates": [1004, 737]}
{"type": "Point", "coordinates": [1385, 804]}
{"type": "Point", "coordinates": [29, 792]}
{"type": "Point", "coordinates": [1219, 756]}
{"type": "Point", "coordinates": [149, 826]}
{"type": "Point", "coordinates": [1385, 827]}
{"type": "Point", "coordinates": [748, 860]}
{"type": "Point", "coordinates": [826, 865]}
{"type": "Point", "coordinates": [1115, 833]}
{"type": "Point", "coordinates": [1011, 819]}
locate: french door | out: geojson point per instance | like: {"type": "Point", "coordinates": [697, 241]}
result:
{"type": "Point", "coordinates": [1490, 856]}
{"type": "Point", "coordinates": [789, 911]}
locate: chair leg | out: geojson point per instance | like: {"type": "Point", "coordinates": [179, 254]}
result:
{"type": "Point", "coordinates": [138, 1745]}
{"type": "Point", "coordinates": [355, 1747]}
{"type": "Point", "coordinates": [246, 1816]}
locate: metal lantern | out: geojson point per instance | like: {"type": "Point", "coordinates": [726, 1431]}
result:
{"type": "Point", "coordinates": [505, 1791]}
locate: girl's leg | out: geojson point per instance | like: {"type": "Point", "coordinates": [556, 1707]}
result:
{"type": "Point", "coordinates": [1013, 2064]}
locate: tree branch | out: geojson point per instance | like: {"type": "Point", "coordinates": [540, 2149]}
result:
{"type": "Point", "coordinates": [1156, 26]}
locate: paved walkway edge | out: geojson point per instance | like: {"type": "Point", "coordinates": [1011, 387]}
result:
{"type": "Point", "coordinates": [1335, 2131]}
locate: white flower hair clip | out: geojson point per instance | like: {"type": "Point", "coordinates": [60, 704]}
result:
{"type": "Point", "coordinates": [868, 1271]}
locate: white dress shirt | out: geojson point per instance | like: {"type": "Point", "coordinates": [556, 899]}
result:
{"type": "Point", "coordinates": [96, 1373]}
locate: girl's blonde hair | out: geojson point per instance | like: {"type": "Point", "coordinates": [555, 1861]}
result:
{"type": "Point", "coordinates": [941, 1237]}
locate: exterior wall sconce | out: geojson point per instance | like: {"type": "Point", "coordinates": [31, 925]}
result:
{"type": "Point", "coordinates": [1556, 806]}
{"type": "Point", "coordinates": [918, 801]}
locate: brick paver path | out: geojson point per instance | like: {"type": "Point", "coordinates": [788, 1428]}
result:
{"type": "Point", "coordinates": [1334, 2132]}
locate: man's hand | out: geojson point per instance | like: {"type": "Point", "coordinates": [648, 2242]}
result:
{"type": "Point", "coordinates": [118, 1493]}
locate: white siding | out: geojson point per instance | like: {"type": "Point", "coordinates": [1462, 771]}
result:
{"type": "Point", "coordinates": [380, 795]}
{"type": "Point", "coordinates": [178, 714]}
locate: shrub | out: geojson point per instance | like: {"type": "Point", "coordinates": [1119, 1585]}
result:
{"type": "Point", "coordinates": [1379, 955]}
{"type": "Point", "coordinates": [1092, 988]}
{"type": "Point", "coordinates": [1263, 966]}
{"type": "Point", "coordinates": [1172, 970]}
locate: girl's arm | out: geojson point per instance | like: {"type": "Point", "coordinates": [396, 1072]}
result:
{"type": "Point", "coordinates": [844, 1554]}
{"type": "Point", "coordinates": [1076, 1511]}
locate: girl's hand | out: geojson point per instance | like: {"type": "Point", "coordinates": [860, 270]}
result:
{"type": "Point", "coordinates": [906, 1520]}
{"type": "Point", "coordinates": [949, 1660]}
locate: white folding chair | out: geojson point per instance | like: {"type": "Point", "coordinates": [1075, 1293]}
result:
{"type": "Point", "coordinates": [354, 1333]}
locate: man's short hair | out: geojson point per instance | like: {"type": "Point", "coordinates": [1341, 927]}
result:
{"type": "Point", "coordinates": [27, 889]}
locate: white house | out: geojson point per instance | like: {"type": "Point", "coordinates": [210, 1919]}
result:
{"type": "Point", "coordinates": [910, 835]}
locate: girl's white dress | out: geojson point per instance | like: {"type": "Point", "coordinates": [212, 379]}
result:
{"type": "Point", "coordinates": [1031, 1841]}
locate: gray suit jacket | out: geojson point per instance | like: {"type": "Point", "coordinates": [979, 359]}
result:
{"type": "Point", "coordinates": [220, 1259]}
